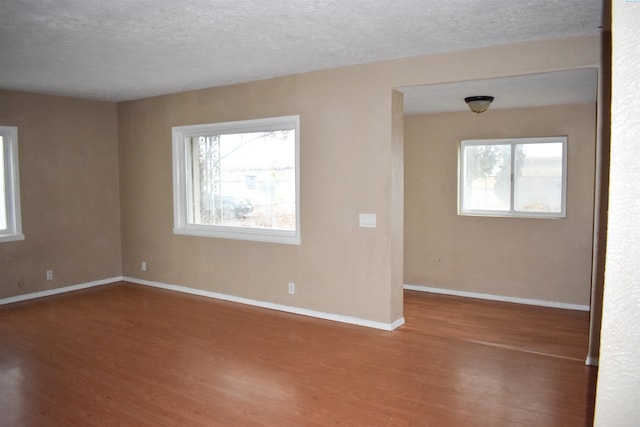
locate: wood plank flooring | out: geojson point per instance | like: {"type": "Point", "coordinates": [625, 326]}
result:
{"type": "Point", "coordinates": [128, 355]}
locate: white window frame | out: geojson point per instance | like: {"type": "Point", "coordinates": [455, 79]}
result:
{"type": "Point", "coordinates": [512, 212]}
{"type": "Point", "coordinates": [182, 181]}
{"type": "Point", "coordinates": [11, 191]}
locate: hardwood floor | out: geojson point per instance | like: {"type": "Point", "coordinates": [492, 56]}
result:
{"type": "Point", "coordinates": [128, 355]}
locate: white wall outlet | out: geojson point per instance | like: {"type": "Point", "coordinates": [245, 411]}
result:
{"type": "Point", "coordinates": [49, 274]}
{"type": "Point", "coordinates": [292, 288]}
{"type": "Point", "coordinates": [143, 266]}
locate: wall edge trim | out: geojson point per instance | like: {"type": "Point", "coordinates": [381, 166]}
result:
{"type": "Point", "coordinates": [269, 305]}
{"type": "Point", "coordinates": [502, 298]}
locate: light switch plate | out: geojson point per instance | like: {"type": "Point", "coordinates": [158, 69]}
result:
{"type": "Point", "coordinates": [368, 220]}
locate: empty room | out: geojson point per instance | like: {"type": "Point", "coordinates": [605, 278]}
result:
{"type": "Point", "coordinates": [312, 213]}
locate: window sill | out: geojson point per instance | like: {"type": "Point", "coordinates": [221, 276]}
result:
{"type": "Point", "coordinates": [235, 233]}
{"type": "Point", "coordinates": [513, 215]}
{"type": "Point", "coordinates": [11, 237]}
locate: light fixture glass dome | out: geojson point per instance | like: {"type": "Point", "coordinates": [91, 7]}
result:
{"type": "Point", "coordinates": [478, 104]}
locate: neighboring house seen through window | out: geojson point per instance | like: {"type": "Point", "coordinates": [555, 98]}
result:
{"type": "Point", "coordinates": [238, 180]}
{"type": "Point", "coordinates": [524, 177]}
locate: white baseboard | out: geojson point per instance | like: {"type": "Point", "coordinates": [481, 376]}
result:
{"type": "Point", "coordinates": [280, 307]}
{"type": "Point", "coordinates": [272, 306]}
{"type": "Point", "coordinates": [527, 301]}
{"type": "Point", "coordinates": [62, 290]}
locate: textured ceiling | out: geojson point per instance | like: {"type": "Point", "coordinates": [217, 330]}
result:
{"type": "Point", "coordinates": [129, 49]}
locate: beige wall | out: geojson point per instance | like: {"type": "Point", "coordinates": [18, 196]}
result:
{"type": "Point", "coordinates": [545, 259]}
{"type": "Point", "coordinates": [349, 164]}
{"type": "Point", "coordinates": [397, 203]}
{"type": "Point", "coordinates": [69, 192]}
{"type": "Point", "coordinates": [345, 170]}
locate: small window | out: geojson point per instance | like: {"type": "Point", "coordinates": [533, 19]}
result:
{"type": "Point", "coordinates": [238, 180]}
{"type": "Point", "coordinates": [10, 222]}
{"type": "Point", "coordinates": [523, 177]}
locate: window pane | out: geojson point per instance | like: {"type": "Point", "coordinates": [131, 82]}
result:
{"type": "Point", "coordinates": [487, 177]}
{"type": "Point", "coordinates": [538, 177]}
{"type": "Point", "coordinates": [3, 195]}
{"type": "Point", "coordinates": [244, 180]}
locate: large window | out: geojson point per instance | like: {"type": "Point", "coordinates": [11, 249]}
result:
{"type": "Point", "coordinates": [10, 223]}
{"type": "Point", "coordinates": [238, 180]}
{"type": "Point", "coordinates": [513, 177]}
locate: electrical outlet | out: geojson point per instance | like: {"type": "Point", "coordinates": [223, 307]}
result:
{"type": "Point", "coordinates": [143, 266]}
{"type": "Point", "coordinates": [49, 274]}
{"type": "Point", "coordinates": [292, 288]}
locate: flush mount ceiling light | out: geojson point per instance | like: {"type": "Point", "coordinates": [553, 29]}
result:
{"type": "Point", "coordinates": [478, 104]}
